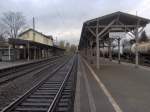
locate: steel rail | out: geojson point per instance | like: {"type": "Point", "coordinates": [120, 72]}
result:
{"type": "Point", "coordinates": [25, 72]}
{"type": "Point", "coordinates": [58, 95]}
{"type": "Point", "coordinates": [14, 69]}
{"type": "Point", "coordinates": [32, 90]}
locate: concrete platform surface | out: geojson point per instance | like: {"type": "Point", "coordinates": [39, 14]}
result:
{"type": "Point", "coordinates": [122, 85]}
{"type": "Point", "coordinates": [89, 96]}
{"type": "Point", "coordinates": [14, 63]}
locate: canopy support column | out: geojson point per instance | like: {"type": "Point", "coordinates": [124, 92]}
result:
{"type": "Point", "coordinates": [34, 52]}
{"type": "Point", "coordinates": [109, 50]}
{"type": "Point", "coordinates": [24, 52]}
{"type": "Point", "coordinates": [119, 50]}
{"type": "Point", "coordinates": [9, 52]}
{"type": "Point", "coordinates": [97, 47]}
{"type": "Point", "coordinates": [28, 46]}
{"type": "Point", "coordinates": [136, 50]}
{"type": "Point", "coordinates": [103, 50]}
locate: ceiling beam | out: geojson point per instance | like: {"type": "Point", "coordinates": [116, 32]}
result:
{"type": "Point", "coordinates": [113, 26]}
{"type": "Point", "coordinates": [104, 34]}
{"type": "Point", "coordinates": [127, 28]}
{"type": "Point", "coordinates": [106, 28]}
{"type": "Point", "coordinates": [94, 34]}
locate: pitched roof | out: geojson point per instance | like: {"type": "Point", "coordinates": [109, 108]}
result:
{"type": "Point", "coordinates": [30, 29]}
{"type": "Point", "coordinates": [123, 17]}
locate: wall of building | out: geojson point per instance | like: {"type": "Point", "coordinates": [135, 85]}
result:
{"type": "Point", "coordinates": [37, 37]}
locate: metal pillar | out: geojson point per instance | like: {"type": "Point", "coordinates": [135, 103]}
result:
{"type": "Point", "coordinates": [28, 51]}
{"type": "Point", "coordinates": [119, 50]}
{"type": "Point", "coordinates": [136, 50]}
{"type": "Point", "coordinates": [109, 48]}
{"type": "Point", "coordinates": [97, 47]}
{"type": "Point", "coordinates": [34, 52]}
{"type": "Point", "coordinates": [9, 53]}
{"type": "Point", "coordinates": [103, 51]}
{"type": "Point", "coordinates": [47, 53]}
{"type": "Point", "coordinates": [44, 53]}
{"type": "Point", "coordinates": [24, 53]}
{"type": "Point", "coordinates": [91, 49]}
{"type": "Point", "coordinates": [39, 53]}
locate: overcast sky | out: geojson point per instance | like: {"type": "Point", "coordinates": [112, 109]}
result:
{"type": "Point", "coordinates": [64, 18]}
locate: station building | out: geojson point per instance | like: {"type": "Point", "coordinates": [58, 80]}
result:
{"type": "Point", "coordinates": [33, 35]}
{"type": "Point", "coordinates": [30, 44]}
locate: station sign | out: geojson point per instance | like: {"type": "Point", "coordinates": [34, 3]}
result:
{"type": "Point", "coordinates": [117, 35]}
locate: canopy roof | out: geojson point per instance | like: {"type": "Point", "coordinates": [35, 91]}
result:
{"type": "Point", "coordinates": [32, 43]}
{"type": "Point", "coordinates": [125, 18]}
{"type": "Point", "coordinates": [114, 22]}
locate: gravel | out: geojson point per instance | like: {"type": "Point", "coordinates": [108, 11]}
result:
{"type": "Point", "coordinates": [12, 90]}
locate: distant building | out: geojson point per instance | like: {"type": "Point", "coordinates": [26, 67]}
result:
{"type": "Point", "coordinates": [36, 36]}
{"type": "Point", "coordinates": [4, 46]}
{"type": "Point", "coordinates": [30, 44]}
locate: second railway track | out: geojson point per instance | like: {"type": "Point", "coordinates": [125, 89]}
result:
{"type": "Point", "coordinates": [18, 71]}
{"type": "Point", "coordinates": [53, 94]}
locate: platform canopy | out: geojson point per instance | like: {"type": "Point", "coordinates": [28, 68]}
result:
{"type": "Point", "coordinates": [115, 22]}
{"type": "Point", "coordinates": [32, 43]}
{"type": "Point", "coordinates": [96, 31]}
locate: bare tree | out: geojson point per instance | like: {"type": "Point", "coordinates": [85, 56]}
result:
{"type": "Point", "coordinates": [2, 32]}
{"type": "Point", "coordinates": [13, 22]}
{"type": "Point", "coordinates": [2, 37]}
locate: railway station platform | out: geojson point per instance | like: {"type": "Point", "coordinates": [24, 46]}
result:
{"type": "Point", "coordinates": [113, 88]}
{"type": "Point", "coordinates": [14, 63]}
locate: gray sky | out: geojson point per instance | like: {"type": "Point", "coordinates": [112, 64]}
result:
{"type": "Point", "coordinates": [64, 18]}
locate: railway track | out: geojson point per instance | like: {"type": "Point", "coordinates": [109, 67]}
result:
{"type": "Point", "coordinates": [19, 71]}
{"type": "Point", "coordinates": [13, 69]}
{"type": "Point", "coordinates": [55, 93]}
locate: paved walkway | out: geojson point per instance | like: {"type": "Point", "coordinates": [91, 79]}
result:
{"type": "Point", "coordinates": [113, 88]}
{"type": "Point", "coordinates": [89, 96]}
